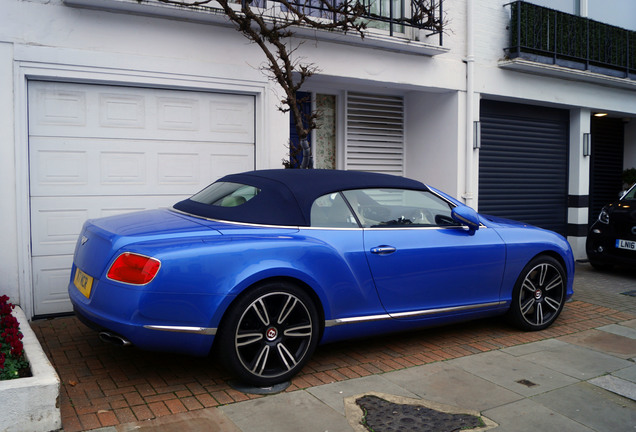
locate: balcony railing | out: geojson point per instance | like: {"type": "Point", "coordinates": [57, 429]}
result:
{"type": "Point", "coordinates": [390, 15]}
{"type": "Point", "coordinates": [548, 36]}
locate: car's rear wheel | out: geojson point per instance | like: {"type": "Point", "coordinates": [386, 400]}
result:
{"type": "Point", "coordinates": [269, 334]}
{"type": "Point", "coordinates": [539, 294]}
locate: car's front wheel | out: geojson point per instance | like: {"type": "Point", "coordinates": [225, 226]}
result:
{"type": "Point", "coordinates": [539, 294]}
{"type": "Point", "coordinates": [269, 334]}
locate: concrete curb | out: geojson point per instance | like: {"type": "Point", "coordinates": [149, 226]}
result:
{"type": "Point", "coordinates": [31, 403]}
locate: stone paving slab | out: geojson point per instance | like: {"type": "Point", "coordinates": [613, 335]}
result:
{"type": "Point", "coordinates": [451, 385]}
{"type": "Point", "coordinates": [527, 415]}
{"type": "Point", "coordinates": [620, 330]}
{"type": "Point", "coordinates": [576, 361]}
{"type": "Point", "coordinates": [616, 385]}
{"type": "Point", "coordinates": [628, 374]}
{"type": "Point", "coordinates": [295, 411]}
{"type": "Point", "coordinates": [210, 420]}
{"type": "Point", "coordinates": [334, 394]}
{"type": "Point", "coordinates": [602, 341]}
{"type": "Point", "coordinates": [631, 323]}
{"type": "Point", "coordinates": [592, 406]}
{"type": "Point", "coordinates": [516, 374]}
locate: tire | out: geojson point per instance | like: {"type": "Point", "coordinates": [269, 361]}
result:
{"type": "Point", "coordinates": [539, 294]}
{"type": "Point", "coordinates": [269, 334]}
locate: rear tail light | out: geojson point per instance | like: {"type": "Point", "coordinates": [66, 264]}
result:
{"type": "Point", "coordinates": [134, 269]}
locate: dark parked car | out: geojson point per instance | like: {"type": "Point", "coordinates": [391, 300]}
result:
{"type": "Point", "coordinates": [612, 238]}
{"type": "Point", "coordinates": [266, 265]}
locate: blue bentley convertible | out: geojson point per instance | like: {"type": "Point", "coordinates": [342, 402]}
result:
{"type": "Point", "coordinates": [267, 264]}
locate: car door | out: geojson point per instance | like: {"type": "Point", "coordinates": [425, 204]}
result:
{"type": "Point", "coordinates": [423, 261]}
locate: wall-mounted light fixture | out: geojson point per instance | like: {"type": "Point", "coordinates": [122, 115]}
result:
{"type": "Point", "coordinates": [600, 114]}
{"type": "Point", "coordinates": [476, 135]}
{"type": "Point", "coordinates": [587, 144]}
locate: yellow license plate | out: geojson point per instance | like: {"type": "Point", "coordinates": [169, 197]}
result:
{"type": "Point", "coordinates": [83, 282]}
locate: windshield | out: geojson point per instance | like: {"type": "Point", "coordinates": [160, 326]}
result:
{"type": "Point", "coordinates": [631, 194]}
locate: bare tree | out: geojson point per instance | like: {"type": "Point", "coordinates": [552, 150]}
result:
{"type": "Point", "coordinates": [271, 28]}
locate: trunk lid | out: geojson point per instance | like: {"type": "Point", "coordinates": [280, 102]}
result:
{"type": "Point", "coordinates": [101, 238]}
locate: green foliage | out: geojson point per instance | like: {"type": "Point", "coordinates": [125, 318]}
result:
{"type": "Point", "coordinates": [547, 32]}
{"type": "Point", "coordinates": [629, 176]}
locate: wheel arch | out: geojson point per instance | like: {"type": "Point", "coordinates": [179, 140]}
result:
{"type": "Point", "coordinates": [273, 279]}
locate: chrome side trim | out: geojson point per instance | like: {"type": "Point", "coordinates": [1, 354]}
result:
{"type": "Point", "coordinates": [183, 329]}
{"type": "Point", "coordinates": [411, 314]}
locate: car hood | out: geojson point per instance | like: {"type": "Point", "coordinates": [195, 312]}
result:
{"type": "Point", "coordinates": [503, 222]}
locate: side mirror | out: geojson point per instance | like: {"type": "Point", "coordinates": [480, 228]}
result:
{"type": "Point", "coordinates": [466, 216]}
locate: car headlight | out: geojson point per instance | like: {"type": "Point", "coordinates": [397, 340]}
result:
{"type": "Point", "coordinates": [603, 217]}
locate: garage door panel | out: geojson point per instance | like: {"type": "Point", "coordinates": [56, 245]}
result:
{"type": "Point", "coordinates": [51, 167]}
{"type": "Point", "coordinates": [123, 111]}
{"type": "Point", "coordinates": [130, 167]}
{"type": "Point", "coordinates": [98, 150]}
{"type": "Point", "coordinates": [136, 113]}
{"type": "Point", "coordinates": [232, 118]}
{"type": "Point", "coordinates": [228, 163]}
{"type": "Point", "coordinates": [51, 276]}
{"type": "Point", "coordinates": [54, 107]}
{"type": "Point", "coordinates": [182, 114]}
{"type": "Point", "coordinates": [57, 221]}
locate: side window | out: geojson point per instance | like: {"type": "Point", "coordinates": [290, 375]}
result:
{"type": "Point", "coordinates": [385, 208]}
{"type": "Point", "coordinates": [331, 211]}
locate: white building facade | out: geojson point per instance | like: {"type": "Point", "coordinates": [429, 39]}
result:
{"type": "Point", "coordinates": [111, 106]}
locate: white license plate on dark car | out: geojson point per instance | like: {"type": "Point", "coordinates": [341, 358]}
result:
{"type": "Point", "coordinates": [626, 244]}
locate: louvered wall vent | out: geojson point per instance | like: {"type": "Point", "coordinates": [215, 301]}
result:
{"type": "Point", "coordinates": [375, 133]}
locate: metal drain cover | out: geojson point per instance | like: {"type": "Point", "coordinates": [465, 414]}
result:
{"type": "Point", "coordinates": [384, 416]}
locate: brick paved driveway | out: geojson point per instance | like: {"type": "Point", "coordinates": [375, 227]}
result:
{"type": "Point", "coordinates": [104, 385]}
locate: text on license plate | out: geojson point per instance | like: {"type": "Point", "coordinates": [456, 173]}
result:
{"type": "Point", "coordinates": [626, 244]}
{"type": "Point", "coordinates": [83, 282]}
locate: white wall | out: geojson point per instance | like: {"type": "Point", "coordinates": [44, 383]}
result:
{"type": "Point", "coordinates": [433, 140]}
{"type": "Point", "coordinates": [8, 259]}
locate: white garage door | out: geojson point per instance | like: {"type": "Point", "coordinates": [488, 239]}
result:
{"type": "Point", "coordinates": [102, 150]}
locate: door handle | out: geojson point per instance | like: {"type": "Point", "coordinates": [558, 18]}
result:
{"type": "Point", "coordinates": [383, 250]}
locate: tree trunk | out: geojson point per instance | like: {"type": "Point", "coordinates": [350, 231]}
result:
{"type": "Point", "coordinates": [307, 159]}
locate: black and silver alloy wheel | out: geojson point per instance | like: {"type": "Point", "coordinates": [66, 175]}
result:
{"type": "Point", "coordinates": [270, 334]}
{"type": "Point", "coordinates": [539, 294]}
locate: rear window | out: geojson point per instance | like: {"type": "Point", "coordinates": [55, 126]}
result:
{"type": "Point", "coordinates": [226, 194]}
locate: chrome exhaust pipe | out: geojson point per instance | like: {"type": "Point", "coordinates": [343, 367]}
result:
{"type": "Point", "coordinates": [114, 339]}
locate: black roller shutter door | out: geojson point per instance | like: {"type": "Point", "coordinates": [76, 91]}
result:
{"type": "Point", "coordinates": [523, 164]}
{"type": "Point", "coordinates": [606, 165]}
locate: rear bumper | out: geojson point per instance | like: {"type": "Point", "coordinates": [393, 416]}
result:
{"type": "Point", "coordinates": [149, 320]}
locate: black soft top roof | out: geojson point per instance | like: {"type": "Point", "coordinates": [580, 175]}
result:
{"type": "Point", "coordinates": [286, 195]}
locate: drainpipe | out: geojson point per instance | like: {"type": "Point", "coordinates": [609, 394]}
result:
{"type": "Point", "coordinates": [470, 96]}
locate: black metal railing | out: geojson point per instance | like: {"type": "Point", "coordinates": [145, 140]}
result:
{"type": "Point", "coordinates": [548, 36]}
{"type": "Point", "coordinates": [390, 15]}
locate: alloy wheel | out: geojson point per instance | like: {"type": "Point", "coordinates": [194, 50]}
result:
{"type": "Point", "coordinates": [541, 294]}
{"type": "Point", "coordinates": [274, 334]}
